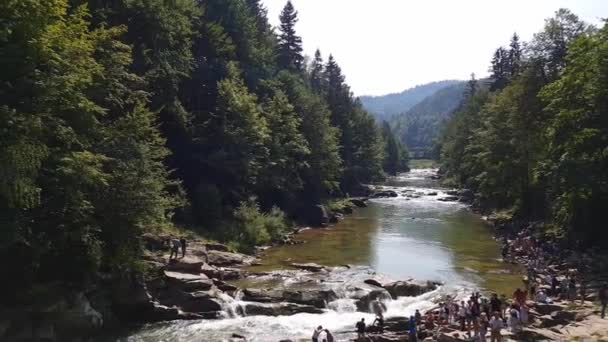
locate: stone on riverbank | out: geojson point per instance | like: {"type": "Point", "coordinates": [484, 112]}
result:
{"type": "Point", "coordinates": [311, 267]}
{"type": "Point", "coordinates": [279, 309]}
{"type": "Point", "coordinates": [372, 301]}
{"type": "Point", "coordinates": [408, 289]}
{"type": "Point", "coordinates": [385, 194]}
{"type": "Point", "coordinates": [188, 264]}
{"type": "Point", "coordinates": [358, 202]}
{"type": "Point", "coordinates": [220, 258]}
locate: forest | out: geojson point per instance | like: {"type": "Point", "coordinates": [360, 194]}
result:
{"type": "Point", "coordinates": [123, 117]}
{"type": "Point", "coordinates": [533, 145]}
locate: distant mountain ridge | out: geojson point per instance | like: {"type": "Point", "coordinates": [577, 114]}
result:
{"type": "Point", "coordinates": [386, 106]}
{"type": "Point", "coordinates": [418, 127]}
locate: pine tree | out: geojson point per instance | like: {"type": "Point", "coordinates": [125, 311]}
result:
{"type": "Point", "coordinates": [316, 73]}
{"type": "Point", "coordinates": [290, 44]}
{"type": "Point", "coordinates": [500, 69]}
{"type": "Point", "coordinates": [515, 55]}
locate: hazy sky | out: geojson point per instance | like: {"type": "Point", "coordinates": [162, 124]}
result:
{"type": "Point", "coordinates": [386, 46]}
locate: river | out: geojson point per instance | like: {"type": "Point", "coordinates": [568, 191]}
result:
{"type": "Point", "coordinates": [410, 236]}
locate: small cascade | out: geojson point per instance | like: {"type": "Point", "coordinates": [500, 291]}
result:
{"type": "Point", "coordinates": [233, 307]}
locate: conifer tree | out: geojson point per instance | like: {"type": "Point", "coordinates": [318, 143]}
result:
{"type": "Point", "coordinates": [316, 72]}
{"type": "Point", "coordinates": [290, 44]}
{"type": "Point", "coordinates": [515, 56]}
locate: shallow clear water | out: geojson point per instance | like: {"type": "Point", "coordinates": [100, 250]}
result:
{"type": "Point", "coordinates": [394, 238]}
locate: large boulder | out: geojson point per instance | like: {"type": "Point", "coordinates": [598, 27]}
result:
{"type": "Point", "coordinates": [358, 202]}
{"type": "Point", "coordinates": [373, 282]}
{"type": "Point", "coordinates": [278, 309]}
{"type": "Point", "coordinates": [220, 258]}
{"type": "Point", "coordinates": [373, 301]}
{"type": "Point", "coordinates": [316, 298]}
{"type": "Point", "coordinates": [262, 296]}
{"type": "Point", "coordinates": [385, 194]}
{"type": "Point", "coordinates": [187, 264]}
{"type": "Point", "coordinates": [311, 267]}
{"type": "Point", "coordinates": [201, 302]}
{"type": "Point", "coordinates": [408, 289]}
{"type": "Point", "coordinates": [188, 282]}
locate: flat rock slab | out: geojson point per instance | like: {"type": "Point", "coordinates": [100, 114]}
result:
{"type": "Point", "coordinates": [189, 264]}
{"type": "Point", "coordinates": [183, 277]}
{"type": "Point", "coordinates": [312, 267]}
{"type": "Point", "coordinates": [221, 258]}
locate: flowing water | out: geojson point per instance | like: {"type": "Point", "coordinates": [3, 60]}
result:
{"type": "Point", "coordinates": [411, 236]}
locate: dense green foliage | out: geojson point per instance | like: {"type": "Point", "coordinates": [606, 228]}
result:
{"type": "Point", "coordinates": [120, 117]}
{"type": "Point", "coordinates": [535, 144]}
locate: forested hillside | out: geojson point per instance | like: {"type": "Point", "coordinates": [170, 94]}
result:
{"type": "Point", "coordinates": [534, 144]}
{"type": "Point", "coordinates": [419, 127]}
{"type": "Point", "coordinates": [386, 106]}
{"type": "Point", "coordinates": [122, 117]}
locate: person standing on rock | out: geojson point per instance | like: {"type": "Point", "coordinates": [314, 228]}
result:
{"type": "Point", "coordinates": [496, 325]}
{"type": "Point", "coordinates": [316, 333]}
{"type": "Point", "coordinates": [380, 322]}
{"type": "Point", "coordinates": [484, 324]}
{"type": "Point", "coordinates": [183, 242]}
{"type": "Point", "coordinates": [603, 295]}
{"type": "Point", "coordinates": [413, 331]}
{"type": "Point", "coordinates": [495, 304]}
{"type": "Point", "coordinates": [329, 337]}
{"type": "Point", "coordinates": [175, 245]}
{"type": "Point", "coordinates": [361, 328]}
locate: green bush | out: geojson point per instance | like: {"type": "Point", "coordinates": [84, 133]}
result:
{"type": "Point", "coordinates": [254, 227]}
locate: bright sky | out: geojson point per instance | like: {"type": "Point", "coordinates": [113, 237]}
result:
{"type": "Point", "coordinates": [386, 46]}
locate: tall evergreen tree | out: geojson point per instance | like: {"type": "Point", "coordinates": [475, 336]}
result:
{"type": "Point", "coordinates": [290, 44]}
{"type": "Point", "coordinates": [500, 69]}
{"type": "Point", "coordinates": [316, 72]}
{"type": "Point", "coordinates": [515, 56]}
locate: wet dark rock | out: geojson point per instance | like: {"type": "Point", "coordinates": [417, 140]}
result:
{"type": "Point", "coordinates": [334, 218]}
{"type": "Point", "coordinates": [316, 298]}
{"type": "Point", "coordinates": [372, 301]}
{"type": "Point", "coordinates": [311, 267]}
{"type": "Point", "coordinates": [279, 309]}
{"type": "Point", "coordinates": [385, 194]}
{"type": "Point", "coordinates": [358, 202]}
{"type": "Point", "coordinates": [408, 289]}
{"type": "Point", "coordinates": [432, 193]}
{"type": "Point", "coordinates": [452, 192]}
{"type": "Point", "coordinates": [448, 199]}
{"type": "Point", "coordinates": [373, 282]}
{"type": "Point", "coordinates": [201, 301]}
